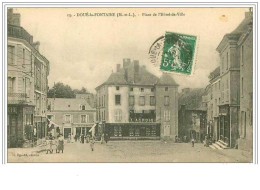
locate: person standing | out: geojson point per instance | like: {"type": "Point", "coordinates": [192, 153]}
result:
{"type": "Point", "coordinates": [92, 142]}
{"type": "Point", "coordinates": [102, 138]}
{"type": "Point", "coordinates": [106, 137]}
{"type": "Point", "coordinates": [60, 144]}
{"type": "Point", "coordinates": [82, 138]}
{"type": "Point", "coordinates": [192, 141]}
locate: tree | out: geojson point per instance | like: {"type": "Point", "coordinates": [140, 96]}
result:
{"type": "Point", "coordinates": [59, 90]}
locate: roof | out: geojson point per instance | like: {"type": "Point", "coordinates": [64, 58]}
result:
{"type": "Point", "coordinates": [192, 100]}
{"type": "Point", "coordinates": [215, 73]}
{"type": "Point", "coordinates": [235, 34]}
{"type": "Point", "coordinates": [116, 78]}
{"type": "Point", "coordinates": [129, 76]}
{"type": "Point", "coordinates": [166, 79]}
{"type": "Point", "coordinates": [68, 104]}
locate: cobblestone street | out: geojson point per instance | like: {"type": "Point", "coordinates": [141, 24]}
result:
{"type": "Point", "coordinates": [130, 151]}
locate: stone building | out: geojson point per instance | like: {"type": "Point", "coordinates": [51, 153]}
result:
{"type": "Point", "coordinates": [135, 104]}
{"type": "Point", "coordinates": [245, 49]}
{"type": "Point", "coordinates": [27, 84]}
{"type": "Point", "coordinates": [230, 90]}
{"type": "Point", "coordinates": [213, 99]}
{"type": "Point", "coordinates": [192, 114]}
{"type": "Point", "coordinates": [72, 116]}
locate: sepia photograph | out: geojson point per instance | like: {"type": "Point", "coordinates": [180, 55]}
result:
{"type": "Point", "coordinates": [130, 84]}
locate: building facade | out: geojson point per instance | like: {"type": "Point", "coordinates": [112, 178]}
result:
{"type": "Point", "coordinates": [135, 104]}
{"type": "Point", "coordinates": [192, 115]}
{"type": "Point", "coordinates": [231, 88]}
{"type": "Point", "coordinates": [70, 116]}
{"type": "Point", "coordinates": [213, 99]}
{"type": "Point", "coordinates": [245, 48]}
{"type": "Point", "coordinates": [27, 82]}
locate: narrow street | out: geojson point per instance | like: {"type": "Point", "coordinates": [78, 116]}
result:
{"type": "Point", "coordinates": [130, 151]}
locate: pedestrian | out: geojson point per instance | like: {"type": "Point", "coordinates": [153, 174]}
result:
{"type": "Point", "coordinates": [82, 138]}
{"type": "Point", "coordinates": [92, 142]}
{"type": "Point", "coordinates": [69, 138]}
{"type": "Point", "coordinates": [49, 145]}
{"type": "Point", "coordinates": [192, 141]}
{"type": "Point", "coordinates": [60, 146]}
{"type": "Point", "coordinates": [102, 138]}
{"type": "Point", "coordinates": [106, 137]}
{"type": "Point", "coordinates": [88, 138]}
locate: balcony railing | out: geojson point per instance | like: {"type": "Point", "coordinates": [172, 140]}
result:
{"type": "Point", "coordinates": [19, 32]}
{"type": "Point", "coordinates": [16, 98]}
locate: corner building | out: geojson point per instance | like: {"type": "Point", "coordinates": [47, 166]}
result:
{"type": "Point", "coordinates": [27, 82]}
{"type": "Point", "coordinates": [135, 104]}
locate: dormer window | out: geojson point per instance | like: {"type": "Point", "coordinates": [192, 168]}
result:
{"type": "Point", "coordinates": [117, 87]}
{"type": "Point", "coordinates": [82, 107]}
{"type": "Point", "coordinates": [166, 88]}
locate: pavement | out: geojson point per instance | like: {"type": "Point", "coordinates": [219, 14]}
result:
{"type": "Point", "coordinates": [130, 151]}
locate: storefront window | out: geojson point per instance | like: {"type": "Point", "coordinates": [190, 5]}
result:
{"type": "Point", "coordinates": [153, 131]}
{"type": "Point", "coordinates": [137, 132]}
{"type": "Point", "coordinates": [117, 131]}
{"type": "Point", "coordinates": [131, 131]}
{"type": "Point", "coordinates": [148, 131]}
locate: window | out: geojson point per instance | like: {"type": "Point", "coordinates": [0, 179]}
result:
{"type": "Point", "coordinates": [131, 100]}
{"type": "Point", "coordinates": [142, 89]}
{"type": "Point", "coordinates": [166, 89]}
{"type": "Point", "coordinates": [167, 115]}
{"type": "Point", "coordinates": [242, 87]}
{"type": "Point", "coordinates": [68, 105]}
{"type": "Point", "coordinates": [227, 60]}
{"type": "Point", "coordinates": [131, 89]}
{"type": "Point", "coordinates": [10, 55]}
{"type": "Point", "coordinates": [117, 99]}
{"type": "Point", "coordinates": [29, 119]}
{"type": "Point", "coordinates": [23, 57]}
{"type": "Point", "coordinates": [67, 118]}
{"type": "Point", "coordinates": [10, 84]}
{"type": "Point", "coordinates": [242, 55]}
{"type": "Point", "coordinates": [117, 87]}
{"type": "Point", "coordinates": [118, 115]}
{"type": "Point", "coordinates": [84, 119]}
{"type": "Point", "coordinates": [141, 101]}
{"type": "Point", "coordinates": [152, 89]}
{"type": "Point", "coordinates": [152, 100]}
{"type": "Point", "coordinates": [166, 100]}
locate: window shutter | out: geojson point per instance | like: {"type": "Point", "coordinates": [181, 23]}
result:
{"type": "Point", "coordinates": [71, 118]}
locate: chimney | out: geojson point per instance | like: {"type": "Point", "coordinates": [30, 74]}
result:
{"type": "Point", "coordinates": [136, 66]}
{"type": "Point", "coordinates": [126, 62]}
{"type": "Point", "coordinates": [126, 74]}
{"type": "Point", "coordinates": [36, 45]}
{"type": "Point", "coordinates": [117, 67]}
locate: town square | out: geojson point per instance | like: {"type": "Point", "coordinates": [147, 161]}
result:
{"type": "Point", "coordinates": [92, 94]}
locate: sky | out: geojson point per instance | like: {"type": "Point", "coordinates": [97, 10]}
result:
{"type": "Point", "coordinates": [83, 51]}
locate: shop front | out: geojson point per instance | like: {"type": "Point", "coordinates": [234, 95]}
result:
{"type": "Point", "coordinates": [19, 125]}
{"type": "Point", "coordinates": [133, 131]}
{"type": "Point", "coordinates": [224, 124]}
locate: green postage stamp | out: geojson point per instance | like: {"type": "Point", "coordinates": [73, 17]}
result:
{"type": "Point", "coordinates": [178, 53]}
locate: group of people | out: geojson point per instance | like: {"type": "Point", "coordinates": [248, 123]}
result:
{"type": "Point", "coordinates": [55, 144]}
{"type": "Point", "coordinates": [88, 139]}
